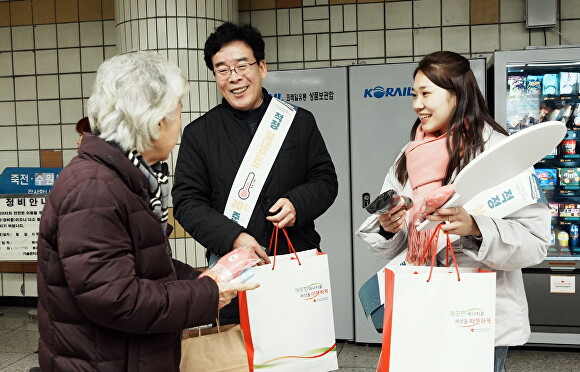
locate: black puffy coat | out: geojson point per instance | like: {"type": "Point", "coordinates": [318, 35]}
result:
{"type": "Point", "coordinates": [211, 151]}
{"type": "Point", "coordinates": [109, 294]}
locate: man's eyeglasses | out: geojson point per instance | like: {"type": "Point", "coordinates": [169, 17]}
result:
{"type": "Point", "coordinates": [223, 73]}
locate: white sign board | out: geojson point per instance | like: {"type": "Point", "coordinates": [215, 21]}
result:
{"type": "Point", "coordinates": [562, 284]}
{"type": "Point", "coordinates": [19, 222]}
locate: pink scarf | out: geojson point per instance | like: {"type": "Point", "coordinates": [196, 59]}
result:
{"type": "Point", "coordinates": [427, 161]}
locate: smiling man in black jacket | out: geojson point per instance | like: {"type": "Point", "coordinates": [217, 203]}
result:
{"type": "Point", "coordinates": [302, 182]}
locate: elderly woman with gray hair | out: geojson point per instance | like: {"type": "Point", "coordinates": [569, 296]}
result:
{"type": "Point", "coordinates": [110, 296]}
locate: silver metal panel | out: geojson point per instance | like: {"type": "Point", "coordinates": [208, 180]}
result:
{"type": "Point", "coordinates": [381, 116]}
{"type": "Point", "coordinates": [541, 13]}
{"type": "Point", "coordinates": [334, 226]}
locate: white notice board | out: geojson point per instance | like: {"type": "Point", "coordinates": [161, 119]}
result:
{"type": "Point", "coordinates": [19, 222]}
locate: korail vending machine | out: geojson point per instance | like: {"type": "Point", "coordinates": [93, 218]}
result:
{"type": "Point", "coordinates": [532, 86]}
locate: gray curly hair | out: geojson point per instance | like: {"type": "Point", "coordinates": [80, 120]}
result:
{"type": "Point", "coordinates": [132, 94]}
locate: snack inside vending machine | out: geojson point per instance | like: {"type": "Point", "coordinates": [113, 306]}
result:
{"type": "Point", "coordinates": [533, 86]}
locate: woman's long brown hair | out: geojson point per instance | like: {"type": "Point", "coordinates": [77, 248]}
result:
{"type": "Point", "coordinates": [452, 72]}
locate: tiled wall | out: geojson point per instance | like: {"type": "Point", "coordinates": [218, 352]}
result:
{"type": "Point", "coordinates": [49, 53]}
{"type": "Point", "coordinates": [317, 33]}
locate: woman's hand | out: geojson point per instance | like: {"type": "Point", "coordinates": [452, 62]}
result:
{"type": "Point", "coordinates": [230, 290]}
{"type": "Point", "coordinates": [460, 222]}
{"type": "Point", "coordinates": [394, 220]}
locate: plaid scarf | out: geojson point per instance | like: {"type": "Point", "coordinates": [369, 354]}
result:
{"type": "Point", "coordinates": [156, 175]}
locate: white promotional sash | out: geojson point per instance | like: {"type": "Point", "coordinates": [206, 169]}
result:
{"type": "Point", "coordinates": [258, 161]}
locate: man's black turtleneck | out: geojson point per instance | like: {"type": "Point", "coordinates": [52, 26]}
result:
{"type": "Point", "coordinates": [252, 117]}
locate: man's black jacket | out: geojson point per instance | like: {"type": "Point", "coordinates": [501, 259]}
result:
{"type": "Point", "coordinates": [211, 151]}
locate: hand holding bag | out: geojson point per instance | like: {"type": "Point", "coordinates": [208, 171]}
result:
{"type": "Point", "coordinates": [438, 319]}
{"type": "Point", "coordinates": [216, 349]}
{"type": "Point", "coordinates": [288, 321]}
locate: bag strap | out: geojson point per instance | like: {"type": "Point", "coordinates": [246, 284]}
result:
{"type": "Point", "coordinates": [274, 238]}
{"type": "Point", "coordinates": [433, 247]}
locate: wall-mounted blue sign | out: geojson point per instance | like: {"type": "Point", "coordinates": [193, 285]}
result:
{"type": "Point", "coordinates": [27, 180]}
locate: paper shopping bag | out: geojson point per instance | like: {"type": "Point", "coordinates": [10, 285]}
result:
{"type": "Point", "coordinates": [440, 325]}
{"type": "Point", "coordinates": [288, 322]}
{"type": "Point", "coordinates": [216, 349]}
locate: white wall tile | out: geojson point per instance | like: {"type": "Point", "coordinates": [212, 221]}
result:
{"type": "Point", "coordinates": [28, 137]}
{"type": "Point", "coordinates": [427, 40]}
{"type": "Point", "coordinates": [569, 9]}
{"type": "Point", "coordinates": [50, 137]}
{"type": "Point", "coordinates": [371, 16]}
{"type": "Point", "coordinates": [456, 39]}
{"type": "Point", "coordinates": [291, 66]}
{"type": "Point", "coordinates": [317, 64]}
{"type": "Point", "coordinates": [310, 47]}
{"type": "Point", "coordinates": [29, 158]}
{"type": "Point", "coordinates": [512, 10]}
{"type": "Point", "coordinates": [570, 29]}
{"type": "Point", "coordinates": [171, 33]}
{"type": "Point", "coordinates": [344, 38]}
{"type": "Point", "coordinates": [317, 26]}
{"type": "Point", "coordinates": [426, 13]}
{"type": "Point", "coordinates": [336, 21]}
{"type": "Point", "coordinates": [322, 2]}
{"type": "Point", "coordinates": [5, 38]}
{"type": "Point", "coordinates": [22, 37]}
{"type": "Point", "coordinates": [244, 18]}
{"type": "Point", "coordinates": [290, 49]}
{"type": "Point", "coordinates": [69, 136]}
{"type": "Point", "coordinates": [109, 33]}
{"type": "Point", "coordinates": [110, 51]}
{"type": "Point", "coordinates": [455, 12]}
{"type": "Point", "coordinates": [295, 21]}
{"type": "Point", "coordinates": [23, 63]}
{"type": "Point", "coordinates": [11, 284]}
{"type": "Point", "coordinates": [67, 35]}
{"type": "Point", "coordinates": [7, 115]}
{"type": "Point", "coordinates": [6, 89]}
{"type": "Point", "coordinates": [7, 138]}
{"type": "Point", "coordinates": [69, 60]}
{"type": "Point", "coordinates": [45, 36]}
{"type": "Point", "coordinates": [70, 86]}
{"type": "Point", "coordinates": [46, 62]}
{"type": "Point", "coordinates": [265, 21]}
{"type": "Point", "coordinates": [48, 112]}
{"type": "Point", "coordinates": [399, 43]}
{"type": "Point", "coordinates": [271, 49]}
{"type": "Point", "coordinates": [71, 110]}
{"type": "Point", "coordinates": [25, 88]}
{"type": "Point", "coordinates": [537, 37]}
{"type": "Point", "coordinates": [308, 2]}
{"type": "Point", "coordinates": [343, 52]}
{"type": "Point", "coordinates": [30, 287]}
{"type": "Point", "coordinates": [371, 44]}
{"type": "Point", "coordinates": [6, 64]}
{"type": "Point", "coordinates": [350, 17]}
{"type": "Point", "coordinates": [282, 21]}
{"type": "Point", "coordinates": [182, 39]}
{"type": "Point", "coordinates": [26, 112]}
{"type": "Point", "coordinates": [8, 159]}
{"type": "Point", "coordinates": [67, 155]}
{"type": "Point", "coordinates": [399, 14]}
{"type": "Point", "coordinates": [315, 12]}
{"type": "Point", "coordinates": [484, 38]}
{"type": "Point", "coordinates": [91, 58]}
{"type": "Point", "coordinates": [171, 8]}
{"type": "Point", "coordinates": [514, 36]}
{"type": "Point", "coordinates": [204, 96]}
{"type": "Point", "coordinates": [323, 46]}
{"type": "Point", "coordinates": [88, 81]}
{"type": "Point", "coordinates": [91, 33]}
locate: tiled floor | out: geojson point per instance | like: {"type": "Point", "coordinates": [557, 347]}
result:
{"type": "Point", "coordinates": [19, 339]}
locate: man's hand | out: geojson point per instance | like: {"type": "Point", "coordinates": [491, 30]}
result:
{"type": "Point", "coordinates": [247, 240]}
{"type": "Point", "coordinates": [227, 291]}
{"type": "Point", "coordinates": [286, 216]}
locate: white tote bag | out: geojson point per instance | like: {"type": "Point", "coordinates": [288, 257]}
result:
{"type": "Point", "coordinates": [440, 325]}
{"type": "Point", "coordinates": [288, 322]}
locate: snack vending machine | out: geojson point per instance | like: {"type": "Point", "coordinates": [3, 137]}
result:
{"type": "Point", "coordinates": [533, 86]}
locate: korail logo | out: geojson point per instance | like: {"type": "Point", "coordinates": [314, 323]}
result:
{"type": "Point", "coordinates": [382, 92]}
{"type": "Point", "coordinates": [315, 292]}
{"type": "Point", "coordinates": [475, 320]}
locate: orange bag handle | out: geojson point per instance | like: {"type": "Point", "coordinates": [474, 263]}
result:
{"type": "Point", "coordinates": [274, 238]}
{"type": "Point", "coordinates": [433, 247]}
